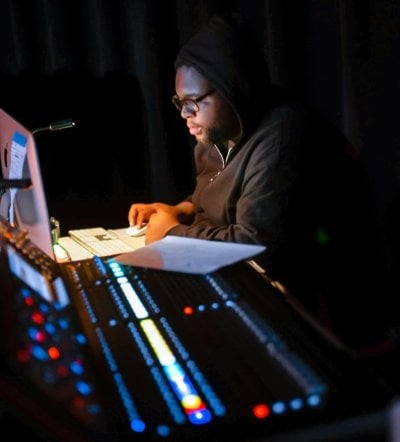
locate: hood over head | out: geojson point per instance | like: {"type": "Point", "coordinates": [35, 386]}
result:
{"type": "Point", "coordinates": [226, 52]}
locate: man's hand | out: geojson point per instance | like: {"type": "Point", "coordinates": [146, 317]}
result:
{"type": "Point", "coordinates": [159, 224]}
{"type": "Point", "coordinates": [160, 217]}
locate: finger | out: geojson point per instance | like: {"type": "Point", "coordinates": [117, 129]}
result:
{"type": "Point", "coordinates": [140, 219]}
{"type": "Point", "coordinates": [132, 216]}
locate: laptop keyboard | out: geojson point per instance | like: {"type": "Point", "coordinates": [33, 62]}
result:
{"type": "Point", "coordinates": [100, 241]}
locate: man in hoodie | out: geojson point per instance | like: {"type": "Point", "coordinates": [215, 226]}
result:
{"type": "Point", "coordinates": [271, 171]}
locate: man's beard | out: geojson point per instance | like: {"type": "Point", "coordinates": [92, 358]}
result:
{"type": "Point", "coordinates": [214, 135]}
{"type": "Point", "coordinates": [225, 128]}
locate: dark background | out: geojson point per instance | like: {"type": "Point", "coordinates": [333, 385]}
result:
{"type": "Point", "coordinates": [108, 64]}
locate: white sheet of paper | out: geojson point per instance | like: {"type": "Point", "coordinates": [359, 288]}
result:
{"type": "Point", "coordinates": [188, 255]}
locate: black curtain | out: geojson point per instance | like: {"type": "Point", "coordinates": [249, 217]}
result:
{"type": "Point", "coordinates": [108, 64]}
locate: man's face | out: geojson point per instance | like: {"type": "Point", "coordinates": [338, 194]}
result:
{"type": "Point", "coordinates": [210, 119]}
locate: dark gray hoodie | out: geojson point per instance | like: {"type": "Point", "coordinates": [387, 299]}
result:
{"type": "Point", "coordinates": [292, 183]}
{"type": "Point", "coordinates": [241, 198]}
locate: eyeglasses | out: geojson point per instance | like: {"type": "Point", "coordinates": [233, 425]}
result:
{"type": "Point", "coordinates": [191, 104]}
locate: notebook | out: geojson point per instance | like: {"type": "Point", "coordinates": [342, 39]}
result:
{"type": "Point", "coordinates": [27, 208]}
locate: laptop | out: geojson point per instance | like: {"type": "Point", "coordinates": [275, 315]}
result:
{"type": "Point", "coordinates": [23, 203]}
{"type": "Point", "coordinates": [26, 208]}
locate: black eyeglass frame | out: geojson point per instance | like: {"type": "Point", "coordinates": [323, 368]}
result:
{"type": "Point", "coordinates": [191, 103]}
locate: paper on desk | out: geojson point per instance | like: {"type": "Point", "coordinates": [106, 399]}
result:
{"type": "Point", "coordinates": [188, 255]}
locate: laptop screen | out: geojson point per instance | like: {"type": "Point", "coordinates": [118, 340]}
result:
{"type": "Point", "coordinates": [25, 208]}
